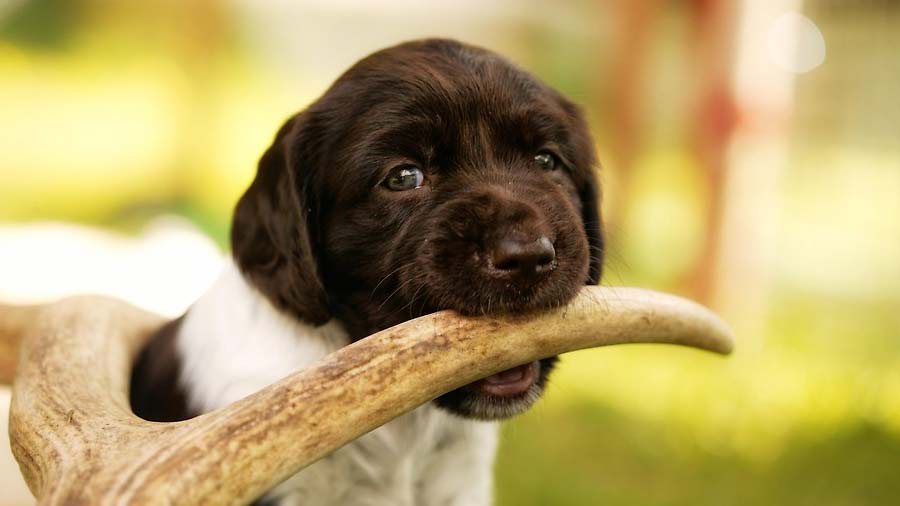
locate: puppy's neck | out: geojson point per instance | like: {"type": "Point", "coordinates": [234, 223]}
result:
{"type": "Point", "coordinates": [233, 342]}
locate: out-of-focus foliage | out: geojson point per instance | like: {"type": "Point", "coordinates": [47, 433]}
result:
{"type": "Point", "coordinates": [115, 112]}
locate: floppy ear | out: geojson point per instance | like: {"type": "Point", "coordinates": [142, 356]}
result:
{"type": "Point", "coordinates": [272, 236]}
{"type": "Point", "coordinates": [593, 227]}
{"type": "Point", "coordinates": [585, 158]}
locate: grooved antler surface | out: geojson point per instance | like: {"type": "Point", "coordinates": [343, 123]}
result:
{"type": "Point", "coordinates": [77, 441]}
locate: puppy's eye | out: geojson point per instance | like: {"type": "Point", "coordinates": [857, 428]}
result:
{"type": "Point", "coordinates": [546, 160]}
{"type": "Point", "coordinates": [404, 177]}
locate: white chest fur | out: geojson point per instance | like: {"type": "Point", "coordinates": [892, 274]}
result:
{"type": "Point", "coordinates": [234, 342]}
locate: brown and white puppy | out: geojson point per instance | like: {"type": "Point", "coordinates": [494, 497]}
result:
{"type": "Point", "coordinates": [431, 175]}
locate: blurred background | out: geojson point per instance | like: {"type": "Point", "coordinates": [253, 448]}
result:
{"type": "Point", "coordinates": [751, 161]}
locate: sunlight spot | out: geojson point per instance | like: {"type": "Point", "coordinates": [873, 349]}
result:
{"type": "Point", "coordinates": [795, 43]}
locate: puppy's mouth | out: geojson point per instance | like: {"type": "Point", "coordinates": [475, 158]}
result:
{"type": "Point", "coordinates": [509, 383]}
{"type": "Point", "coordinates": [502, 395]}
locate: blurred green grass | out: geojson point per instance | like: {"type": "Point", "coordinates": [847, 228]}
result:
{"type": "Point", "coordinates": [581, 453]}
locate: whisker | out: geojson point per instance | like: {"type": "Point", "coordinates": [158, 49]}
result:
{"type": "Point", "coordinates": [401, 286]}
{"type": "Point", "coordinates": [383, 280]}
{"type": "Point", "coordinates": [413, 299]}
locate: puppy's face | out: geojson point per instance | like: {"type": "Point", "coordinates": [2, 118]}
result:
{"type": "Point", "coordinates": [431, 176]}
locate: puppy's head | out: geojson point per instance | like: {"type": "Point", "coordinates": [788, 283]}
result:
{"type": "Point", "coordinates": [432, 175]}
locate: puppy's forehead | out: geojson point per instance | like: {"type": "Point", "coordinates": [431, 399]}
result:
{"type": "Point", "coordinates": [441, 102]}
{"type": "Point", "coordinates": [439, 78]}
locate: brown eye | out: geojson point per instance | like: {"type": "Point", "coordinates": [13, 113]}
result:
{"type": "Point", "coordinates": [404, 177]}
{"type": "Point", "coordinates": [546, 160]}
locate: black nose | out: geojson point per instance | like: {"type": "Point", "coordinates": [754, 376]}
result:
{"type": "Point", "coordinates": [523, 258]}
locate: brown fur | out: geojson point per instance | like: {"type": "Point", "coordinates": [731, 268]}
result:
{"type": "Point", "coordinates": [155, 392]}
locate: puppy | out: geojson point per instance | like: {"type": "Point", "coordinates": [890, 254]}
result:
{"type": "Point", "coordinates": [431, 175]}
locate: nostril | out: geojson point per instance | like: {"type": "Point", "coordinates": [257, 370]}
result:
{"type": "Point", "coordinates": [546, 253]}
{"type": "Point", "coordinates": [507, 265]}
{"type": "Point", "coordinates": [520, 257]}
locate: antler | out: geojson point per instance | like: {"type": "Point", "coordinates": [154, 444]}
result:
{"type": "Point", "coordinates": [14, 320]}
{"type": "Point", "coordinates": [77, 441]}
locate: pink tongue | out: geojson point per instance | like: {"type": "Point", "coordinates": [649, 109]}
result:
{"type": "Point", "coordinates": [509, 375]}
{"type": "Point", "coordinates": [513, 381]}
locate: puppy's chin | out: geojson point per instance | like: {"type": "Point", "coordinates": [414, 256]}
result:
{"type": "Point", "coordinates": [502, 395]}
